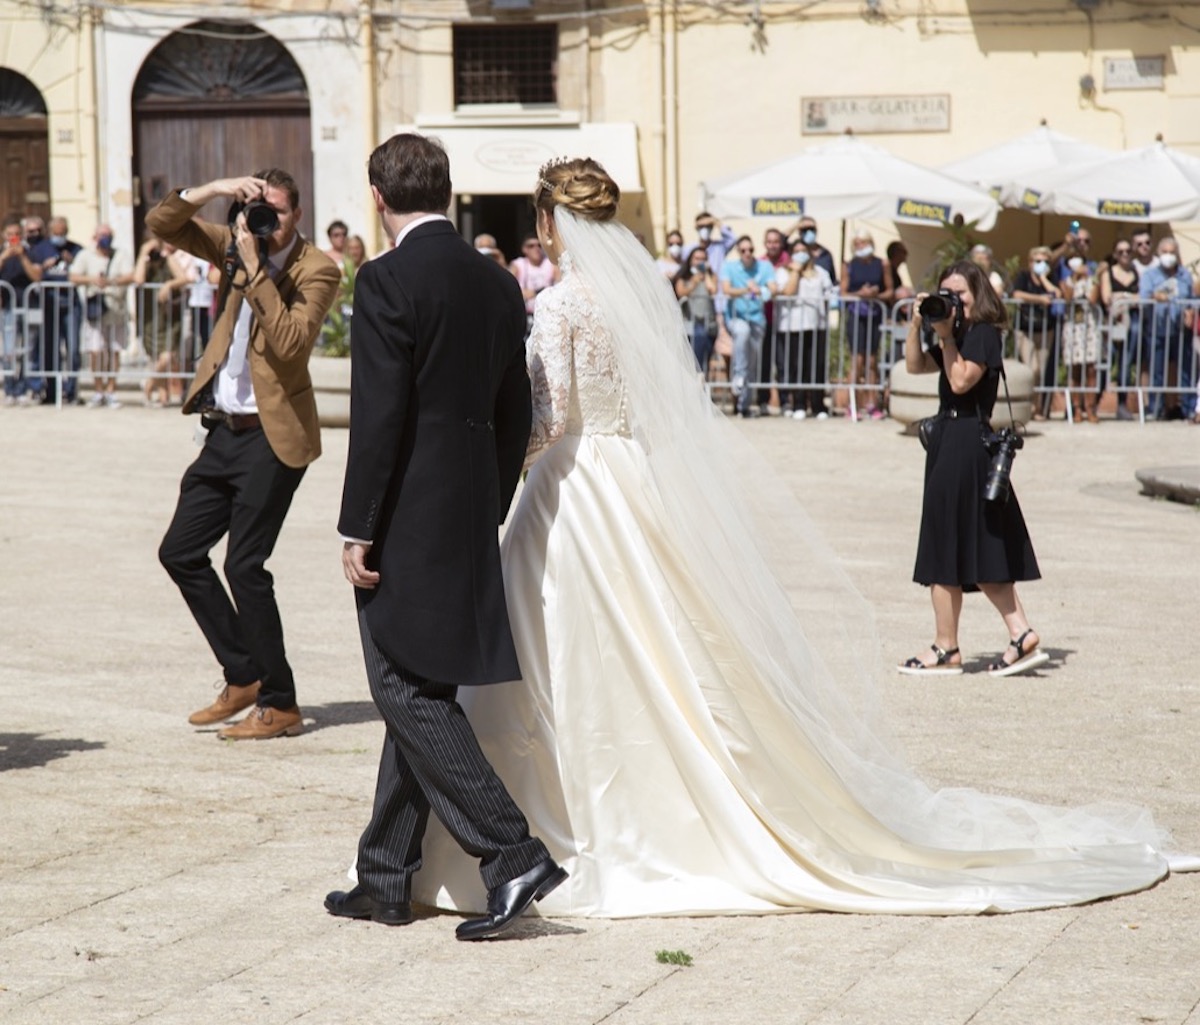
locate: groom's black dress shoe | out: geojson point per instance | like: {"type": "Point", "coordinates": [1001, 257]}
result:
{"type": "Point", "coordinates": [507, 901]}
{"type": "Point", "coordinates": [356, 904]}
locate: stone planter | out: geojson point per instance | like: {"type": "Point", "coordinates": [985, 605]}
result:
{"type": "Point", "coordinates": [915, 396]}
{"type": "Point", "coordinates": [331, 387]}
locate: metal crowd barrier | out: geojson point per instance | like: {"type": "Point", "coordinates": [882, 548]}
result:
{"type": "Point", "coordinates": [154, 338]}
{"type": "Point", "coordinates": [1147, 352]}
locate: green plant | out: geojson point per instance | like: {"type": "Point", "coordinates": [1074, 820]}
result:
{"type": "Point", "coordinates": [676, 957]}
{"type": "Point", "coordinates": [335, 332]}
{"type": "Point", "coordinates": [957, 246]}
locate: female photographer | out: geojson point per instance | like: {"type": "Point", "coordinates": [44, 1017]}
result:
{"type": "Point", "coordinates": [967, 543]}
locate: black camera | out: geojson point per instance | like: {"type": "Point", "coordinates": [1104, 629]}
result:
{"type": "Point", "coordinates": [261, 218]}
{"type": "Point", "coordinates": [1003, 446]}
{"type": "Point", "coordinates": [942, 305]}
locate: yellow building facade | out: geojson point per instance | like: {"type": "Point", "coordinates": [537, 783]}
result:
{"type": "Point", "coordinates": [668, 94]}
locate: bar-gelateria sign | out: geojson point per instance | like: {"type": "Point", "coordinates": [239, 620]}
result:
{"type": "Point", "coordinates": [833, 115]}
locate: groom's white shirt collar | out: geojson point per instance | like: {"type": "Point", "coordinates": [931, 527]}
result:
{"type": "Point", "coordinates": [427, 219]}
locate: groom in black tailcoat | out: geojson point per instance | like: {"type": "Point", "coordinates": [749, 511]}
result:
{"type": "Point", "coordinates": [439, 420]}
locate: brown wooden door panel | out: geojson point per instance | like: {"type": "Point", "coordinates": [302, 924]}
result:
{"type": "Point", "coordinates": [189, 148]}
{"type": "Point", "coordinates": [25, 176]}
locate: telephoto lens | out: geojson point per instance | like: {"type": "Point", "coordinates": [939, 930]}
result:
{"type": "Point", "coordinates": [998, 484]}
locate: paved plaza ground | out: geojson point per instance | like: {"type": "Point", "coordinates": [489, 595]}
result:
{"type": "Point", "coordinates": [151, 873]}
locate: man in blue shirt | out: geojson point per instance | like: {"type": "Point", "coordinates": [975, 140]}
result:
{"type": "Point", "coordinates": [747, 283]}
{"type": "Point", "coordinates": [1166, 341]}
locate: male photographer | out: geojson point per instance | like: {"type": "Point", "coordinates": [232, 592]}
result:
{"type": "Point", "coordinates": [255, 399]}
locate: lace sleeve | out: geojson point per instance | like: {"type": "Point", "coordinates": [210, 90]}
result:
{"type": "Point", "coordinates": [548, 355]}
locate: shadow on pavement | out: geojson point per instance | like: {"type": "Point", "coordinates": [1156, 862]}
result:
{"type": "Point", "coordinates": [30, 750]}
{"type": "Point", "coordinates": [1058, 658]}
{"type": "Point", "coordinates": [338, 713]}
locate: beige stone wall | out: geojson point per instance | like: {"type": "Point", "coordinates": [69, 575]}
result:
{"type": "Point", "coordinates": [55, 54]}
{"type": "Point", "coordinates": [713, 93]}
{"type": "Point", "coordinates": [740, 91]}
{"type": "Point", "coordinates": [711, 90]}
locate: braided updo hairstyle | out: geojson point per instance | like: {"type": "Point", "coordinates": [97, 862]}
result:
{"type": "Point", "coordinates": [579, 184]}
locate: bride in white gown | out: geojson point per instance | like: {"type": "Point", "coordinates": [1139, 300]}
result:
{"type": "Point", "coordinates": [687, 739]}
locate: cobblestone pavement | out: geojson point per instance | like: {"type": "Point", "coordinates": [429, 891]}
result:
{"type": "Point", "coordinates": [151, 873]}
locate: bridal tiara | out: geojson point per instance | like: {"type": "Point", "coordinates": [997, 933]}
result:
{"type": "Point", "coordinates": [549, 166]}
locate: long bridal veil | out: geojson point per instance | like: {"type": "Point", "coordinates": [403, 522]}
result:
{"type": "Point", "coordinates": [810, 660]}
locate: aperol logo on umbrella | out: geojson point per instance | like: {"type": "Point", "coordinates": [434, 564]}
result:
{"type": "Point", "coordinates": [1030, 199]}
{"type": "Point", "coordinates": [782, 206]}
{"type": "Point", "coordinates": [918, 210]}
{"type": "Point", "coordinates": [1134, 209]}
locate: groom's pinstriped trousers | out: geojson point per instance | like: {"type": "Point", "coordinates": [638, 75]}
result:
{"type": "Point", "coordinates": [431, 759]}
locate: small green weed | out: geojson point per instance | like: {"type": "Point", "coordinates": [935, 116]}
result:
{"type": "Point", "coordinates": [678, 957]}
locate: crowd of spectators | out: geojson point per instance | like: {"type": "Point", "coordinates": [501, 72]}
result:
{"type": "Point", "coordinates": [763, 315]}
{"type": "Point", "coordinates": [757, 315]}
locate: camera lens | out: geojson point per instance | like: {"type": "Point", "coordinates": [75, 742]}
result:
{"type": "Point", "coordinates": [934, 308]}
{"type": "Point", "coordinates": [998, 483]}
{"type": "Point", "coordinates": [261, 219]}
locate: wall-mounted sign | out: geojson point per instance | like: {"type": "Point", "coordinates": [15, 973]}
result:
{"type": "Point", "coordinates": [865, 115]}
{"type": "Point", "coordinates": [1134, 72]}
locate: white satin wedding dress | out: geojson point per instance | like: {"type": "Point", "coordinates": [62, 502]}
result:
{"type": "Point", "coordinates": [669, 766]}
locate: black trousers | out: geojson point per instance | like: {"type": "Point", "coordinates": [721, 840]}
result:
{"type": "Point", "coordinates": [237, 485]}
{"type": "Point", "coordinates": [431, 759]}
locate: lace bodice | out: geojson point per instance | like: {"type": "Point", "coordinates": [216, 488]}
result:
{"type": "Point", "coordinates": [577, 386]}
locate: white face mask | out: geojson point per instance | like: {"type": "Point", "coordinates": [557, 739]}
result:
{"type": "Point", "coordinates": [862, 252]}
{"type": "Point", "coordinates": [1168, 261]}
{"type": "Point", "coordinates": [809, 237]}
{"type": "Point", "coordinates": [800, 258]}
{"type": "Point", "coordinates": [705, 234]}
{"type": "Point", "coordinates": [673, 250]}
{"type": "Point", "coordinates": [1075, 262]}
{"type": "Point", "coordinates": [1040, 267]}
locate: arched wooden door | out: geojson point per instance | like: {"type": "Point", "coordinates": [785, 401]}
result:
{"type": "Point", "coordinates": [219, 100]}
{"type": "Point", "coordinates": [25, 182]}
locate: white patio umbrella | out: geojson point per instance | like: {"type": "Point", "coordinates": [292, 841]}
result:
{"type": "Point", "coordinates": [848, 179]}
{"type": "Point", "coordinates": [1154, 183]}
{"type": "Point", "coordinates": [1004, 170]}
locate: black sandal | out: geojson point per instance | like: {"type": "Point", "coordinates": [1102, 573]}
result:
{"type": "Point", "coordinates": [942, 667]}
{"type": "Point", "coordinates": [1024, 661]}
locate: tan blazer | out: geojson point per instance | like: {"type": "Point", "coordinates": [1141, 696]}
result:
{"type": "Point", "coordinates": [288, 313]}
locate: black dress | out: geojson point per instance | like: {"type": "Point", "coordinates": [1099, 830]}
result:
{"type": "Point", "coordinates": [965, 541]}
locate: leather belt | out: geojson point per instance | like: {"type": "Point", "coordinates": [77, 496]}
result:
{"type": "Point", "coordinates": [236, 422]}
{"type": "Point", "coordinates": [955, 414]}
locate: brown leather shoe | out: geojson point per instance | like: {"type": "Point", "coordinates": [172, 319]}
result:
{"type": "Point", "coordinates": [264, 723]}
{"type": "Point", "coordinates": [229, 702]}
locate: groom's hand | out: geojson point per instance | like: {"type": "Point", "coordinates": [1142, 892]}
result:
{"type": "Point", "coordinates": [354, 565]}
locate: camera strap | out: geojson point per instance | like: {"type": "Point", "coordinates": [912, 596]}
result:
{"type": "Point", "coordinates": [229, 268]}
{"type": "Point", "coordinates": [1008, 398]}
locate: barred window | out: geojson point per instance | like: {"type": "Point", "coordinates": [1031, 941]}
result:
{"type": "Point", "coordinates": [505, 64]}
